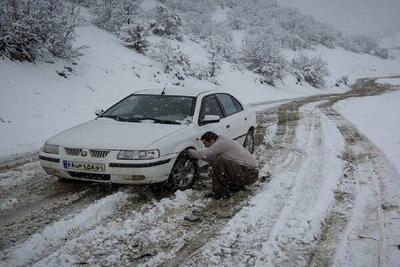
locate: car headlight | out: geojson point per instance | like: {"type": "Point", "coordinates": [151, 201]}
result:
{"type": "Point", "coordinates": [51, 149]}
{"type": "Point", "coordinates": [138, 154]}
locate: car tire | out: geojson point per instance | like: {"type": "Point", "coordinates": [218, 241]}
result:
{"type": "Point", "coordinates": [183, 173]}
{"type": "Point", "coordinates": [249, 141]}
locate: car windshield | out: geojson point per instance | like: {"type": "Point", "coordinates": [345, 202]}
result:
{"type": "Point", "coordinates": [157, 108]}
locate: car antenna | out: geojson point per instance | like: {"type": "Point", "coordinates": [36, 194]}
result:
{"type": "Point", "coordinates": [163, 91]}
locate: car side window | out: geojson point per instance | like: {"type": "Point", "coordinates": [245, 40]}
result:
{"type": "Point", "coordinates": [239, 106]}
{"type": "Point", "coordinates": [210, 106]}
{"type": "Point", "coordinates": [228, 104]}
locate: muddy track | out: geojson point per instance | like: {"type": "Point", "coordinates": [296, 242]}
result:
{"type": "Point", "coordinates": [359, 154]}
{"type": "Point", "coordinates": [275, 151]}
{"type": "Point", "coordinates": [220, 213]}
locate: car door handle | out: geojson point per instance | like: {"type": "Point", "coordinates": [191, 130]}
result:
{"type": "Point", "coordinates": [228, 126]}
{"type": "Point", "coordinates": [245, 119]}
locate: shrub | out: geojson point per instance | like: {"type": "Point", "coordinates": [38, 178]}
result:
{"type": "Point", "coordinates": [312, 70]}
{"type": "Point", "coordinates": [214, 60]}
{"type": "Point", "coordinates": [171, 58]}
{"type": "Point", "coordinates": [166, 23]}
{"type": "Point", "coordinates": [364, 44]}
{"type": "Point", "coordinates": [342, 81]}
{"type": "Point", "coordinates": [34, 29]}
{"type": "Point", "coordinates": [135, 36]}
{"type": "Point", "coordinates": [261, 54]}
{"type": "Point", "coordinates": [113, 14]}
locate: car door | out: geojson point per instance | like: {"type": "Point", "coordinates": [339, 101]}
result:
{"type": "Point", "coordinates": [211, 106]}
{"type": "Point", "coordinates": [234, 115]}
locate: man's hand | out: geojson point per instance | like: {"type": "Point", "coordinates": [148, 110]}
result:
{"type": "Point", "coordinates": [185, 154]}
{"type": "Point", "coordinates": [188, 152]}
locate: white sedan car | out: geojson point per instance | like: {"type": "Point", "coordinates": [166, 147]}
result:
{"type": "Point", "coordinates": [140, 139]}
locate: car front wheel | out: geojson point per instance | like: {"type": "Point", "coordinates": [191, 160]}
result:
{"type": "Point", "coordinates": [183, 173]}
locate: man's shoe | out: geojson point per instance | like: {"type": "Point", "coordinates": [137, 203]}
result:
{"type": "Point", "coordinates": [238, 189]}
{"type": "Point", "coordinates": [209, 195]}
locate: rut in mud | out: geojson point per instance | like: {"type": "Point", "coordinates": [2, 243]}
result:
{"type": "Point", "coordinates": [185, 229]}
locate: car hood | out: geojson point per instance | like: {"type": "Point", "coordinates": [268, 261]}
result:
{"type": "Point", "coordinates": [105, 133]}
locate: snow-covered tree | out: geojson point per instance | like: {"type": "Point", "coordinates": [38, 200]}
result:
{"type": "Point", "coordinates": [364, 44]}
{"type": "Point", "coordinates": [104, 11]}
{"type": "Point", "coordinates": [171, 58]}
{"type": "Point", "coordinates": [260, 53]}
{"type": "Point", "coordinates": [220, 40]}
{"type": "Point", "coordinates": [197, 27]}
{"type": "Point", "coordinates": [32, 29]}
{"type": "Point", "coordinates": [166, 23]}
{"type": "Point", "coordinates": [214, 60]}
{"type": "Point", "coordinates": [135, 35]}
{"type": "Point", "coordinates": [312, 70]}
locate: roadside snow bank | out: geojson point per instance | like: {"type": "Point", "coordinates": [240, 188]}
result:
{"type": "Point", "coordinates": [377, 117]}
{"type": "Point", "coordinates": [54, 235]}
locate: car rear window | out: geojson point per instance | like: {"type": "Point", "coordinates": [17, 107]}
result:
{"type": "Point", "coordinates": [227, 103]}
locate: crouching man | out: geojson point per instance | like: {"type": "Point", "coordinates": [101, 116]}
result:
{"type": "Point", "coordinates": [233, 167]}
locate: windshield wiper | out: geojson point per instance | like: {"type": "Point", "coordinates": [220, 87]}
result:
{"type": "Point", "coordinates": [117, 118]}
{"type": "Point", "coordinates": [159, 121]}
{"type": "Point", "coordinates": [134, 120]}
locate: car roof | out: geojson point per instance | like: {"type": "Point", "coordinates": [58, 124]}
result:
{"type": "Point", "coordinates": [177, 91]}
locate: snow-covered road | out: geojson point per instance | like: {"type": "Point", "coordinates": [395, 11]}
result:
{"type": "Point", "coordinates": [332, 200]}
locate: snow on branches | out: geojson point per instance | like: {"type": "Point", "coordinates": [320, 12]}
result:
{"type": "Point", "coordinates": [166, 23]}
{"type": "Point", "coordinates": [37, 29]}
{"type": "Point", "coordinates": [261, 54]}
{"type": "Point", "coordinates": [312, 70]}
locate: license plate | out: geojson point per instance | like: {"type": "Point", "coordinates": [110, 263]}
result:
{"type": "Point", "coordinates": [83, 166]}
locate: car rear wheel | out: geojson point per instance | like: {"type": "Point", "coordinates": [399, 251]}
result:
{"type": "Point", "coordinates": [249, 141]}
{"type": "Point", "coordinates": [183, 174]}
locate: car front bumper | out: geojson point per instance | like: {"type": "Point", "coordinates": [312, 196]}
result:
{"type": "Point", "coordinates": [116, 171]}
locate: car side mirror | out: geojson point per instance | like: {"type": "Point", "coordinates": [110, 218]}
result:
{"type": "Point", "coordinates": [210, 119]}
{"type": "Point", "coordinates": [98, 111]}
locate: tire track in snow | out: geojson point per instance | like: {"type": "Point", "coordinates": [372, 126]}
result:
{"type": "Point", "coordinates": [40, 199]}
{"type": "Point", "coordinates": [222, 248]}
{"type": "Point", "coordinates": [364, 240]}
{"type": "Point", "coordinates": [54, 235]}
{"type": "Point", "coordinates": [236, 242]}
{"type": "Point", "coordinates": [148, 234]}
{"type": "Point", "coordinates": [292, 237]}
{"type": "Point", "coordinates": [354, 232]}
